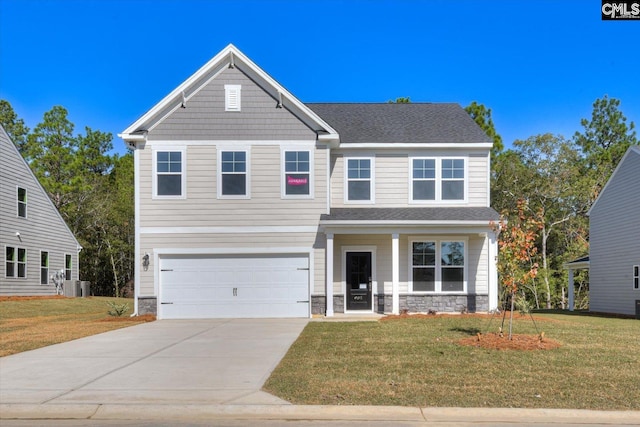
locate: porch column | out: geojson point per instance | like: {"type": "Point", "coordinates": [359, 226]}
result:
{"type": "Point", "coordinates": [329, 278]}
{"type": "Point", "coordinates": [493, 271]}
{"type": "Point", "coordinates": [571, 291]}
{"type": "Point", "coordinates": [395, 273]}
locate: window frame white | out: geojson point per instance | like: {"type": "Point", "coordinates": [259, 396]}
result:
{"type": "Point", "coordinates": [183, 172]}
{"type": "Point", "coordinates": [247, 173]}
{"type": "Point", "coordinates": [283, 173]}
{"type": "Point", "coordinates": [16, 262]}
{"type": "Point", "coordinates": [636, 277]}
{"type": "Point", "coordinates": [23, 203]}
{"type": "Point", "coordinates": [68, 272]}
{"type": "Point", "coordinates": [439, 180]}
{"type": "Point", "coordinates": [371, 179]}
{"type": "Point", "coordinates": [438, 240]}
{"type": "Point", "coordinates": [233, 98]}
{"type": "Point", "coordinates": [43, 268]}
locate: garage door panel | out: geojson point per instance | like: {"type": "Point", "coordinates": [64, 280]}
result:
{"type": "Point", "coordinates": [234, 286]}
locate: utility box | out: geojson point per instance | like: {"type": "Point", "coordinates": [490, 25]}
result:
{"type": "Point", "coordinates": [71, 288]}
{"type": "Point", "coordinates": [638, 309]}
{"type": "Point", "coordinates": [85, 289]}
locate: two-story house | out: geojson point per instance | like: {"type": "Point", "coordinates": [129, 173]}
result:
{"type": "Point", "coordinates": [250, 203]}
{"type": "Point", "coordinates": [35, 240]}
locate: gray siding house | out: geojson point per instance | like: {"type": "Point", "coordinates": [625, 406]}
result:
{"type": "Point", "coordinates": [250, 203]}
{"type": "Point", "coordinates": [614, 241]}
{"type": "Point", "coordinates": [36, 242]}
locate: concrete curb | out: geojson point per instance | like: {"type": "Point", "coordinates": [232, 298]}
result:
{"type": "Point", "coordinates": [310, 412]}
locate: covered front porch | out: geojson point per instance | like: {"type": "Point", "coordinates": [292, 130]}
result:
{"type": "Point", "coordinates": [390, 260]}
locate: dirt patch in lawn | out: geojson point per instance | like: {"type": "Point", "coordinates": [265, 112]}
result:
{"type": "Point", "coordinates": [517, 342]}
{"type": "Point", "coordinates": [30, 298]}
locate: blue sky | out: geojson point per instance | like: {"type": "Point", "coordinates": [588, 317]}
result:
{"type": "Point", "coordinates": [539, 65]}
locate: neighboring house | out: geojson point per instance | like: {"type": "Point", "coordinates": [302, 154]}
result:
{"type": "Point", "coordinates": [250, 203]}
{"type": "Point", "coordinates": [36, 242]}
{"type": "Point", "coordinates": [614, 241]}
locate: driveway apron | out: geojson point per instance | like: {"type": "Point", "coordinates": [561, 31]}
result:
{"type": "Point", "coordinates": [217, 361]}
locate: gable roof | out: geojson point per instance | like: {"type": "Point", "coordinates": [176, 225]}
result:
{"type": "Point", "coordinates": [632, 150]}
{"type": "Point", "coordinates": [411, 123]}
{"type": "Point", "coordinates": [228, 57]}
{"type": "Point", "coordinates": [5, 141]}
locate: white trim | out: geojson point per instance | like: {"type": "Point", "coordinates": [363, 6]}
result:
{"type": "Point", "coordinates": [438, 265]}
{"type": "Point", "coordinates": [229, 230]}
{"type": "Point", "coordinates": [365, 223]}
{"type": "Point", "coordinates": [329, 275]}
{"type": "Point", "coordinates": [183, 172]}
{"type": "Point", "coordinates": [48, 266]}
{"type": "Point", "coordinates": [438, 200]}
{"type": "Point", "coordinates": [488, 184]}
{"type": "Point", "coordinates": [492, 277]}
{"type": "Point", "coordinates": [232, 98]}
{"type": "Point", "coordinates": [234, 143]}
{"type": "Point", "coordinates": [64, 266]}
{"type": "Point", "coordinates": [374, 280]}
{"type": "Point", "coordinates": [247, 173]}
{"type": "Point", "coordinates": [409, 229]}
{"type": "Point", "coordinates": [26, 201]}
{"type": "Point", "coordinates": [369, 145]}
{"type": "Point", "coordinates": [395, 273]}
{"type": "Point", "coordinates": [137, 258]}
{"type": "Point", "coordinates": [16, 250]}
{"type": "Point", "coordinates": [283, 185]}
{"type": "Point", "coordinates": [635, 275]}
{"type": "Point", "coordinates": [372, 180]}
{"type": "Point", "coordinates": [328, 181]}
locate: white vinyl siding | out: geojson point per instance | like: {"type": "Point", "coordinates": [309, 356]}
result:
{"type": "Point", "coordinates": [169, 172]}
{"type": "Point", "coordinates": [232, 97]}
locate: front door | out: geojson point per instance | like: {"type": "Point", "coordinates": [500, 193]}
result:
{"type": "Point", "coordinates": [358, 281]}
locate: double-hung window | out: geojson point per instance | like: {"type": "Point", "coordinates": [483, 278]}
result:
{"type": "Point", "coordinates": [67, 267]}
{"type": "Point", "coordinates": [44, 267]}
{"type": "Point", "coordinates": [359, 180]}
{"type": "Point", "coordinates": [169, 174]}
{"type": "Point", "coordinates": [297, 174]}
{"type": "Point", "coordinates": [636, 277]}
{"type": "Point", "coordinates": [22, 202]}
{"type": "Point", "coordinates": [15, 262]}
{"type": "Point", "coordinates": [437, 179]}
{"type": "Point", "coordinates": [437, 266]}
{"type": "Point", "coordinates": [233, 176]}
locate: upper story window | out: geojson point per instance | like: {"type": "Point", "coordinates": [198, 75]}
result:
{"type": "Point", "coordinates": [636, 277]}
{"type": "Point", "coordinates": [359, 180]}
{"type": "Point", "coordinates": [67, 267]}
{"type": "Point", "coordinates": [44, 267]}
{"type": "Point", "coordinates": [15, 262]}
{"type": "Point", "coordinates": [297, 174]}
{"type": "Point", "coordinates": [170, 174]}
{"type": "Point", "coordinates": [232, 97]}
{"type": "Point", "coordinates": [233, 174]}
{"type": "Point", "coordinates": [22, 202]}
{"type": "Point", "coordinates": [438, 179]}
{"type": "Point", "coordinates": [437, 266]}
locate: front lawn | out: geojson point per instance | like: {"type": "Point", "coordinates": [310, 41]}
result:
{"type": "Point", "coordinates": [419, 362]}
{"type": "Point", "coordinates": [27, 324]}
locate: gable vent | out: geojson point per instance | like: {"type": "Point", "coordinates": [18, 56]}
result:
{"type": "Point", "coordinates": [232, 97]}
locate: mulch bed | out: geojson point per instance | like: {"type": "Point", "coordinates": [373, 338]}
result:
{"type": "Point", "coordinates": [141, 318]}
{"type": "Point", "coordinates": [517, 342]}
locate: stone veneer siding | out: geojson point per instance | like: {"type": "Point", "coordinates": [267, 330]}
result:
{"type": "Point", "coordinates": [148, 305]}
{"type": "Point", "coordinates": [383, 303]}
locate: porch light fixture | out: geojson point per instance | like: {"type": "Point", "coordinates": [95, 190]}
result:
{"type": "Point", "coordinates": [145, 261]}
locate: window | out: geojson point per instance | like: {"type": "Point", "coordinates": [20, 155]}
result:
{"type": "Point", "coordinates": [169, 173]}
{"type": "Point", "coordinates": [424, 179]}
{"type": "Point", "coordinates": [67, 267]}
{"type": "Point", "coordinates": [22, 202]}
{"type": "Point", "coordinates": [15, 262]}
{"type": "Point", "coordinates": [232, 97]}
{"type": "Point", "coordinates": [437, 266]}
{"type": "Point", "coordinates": [636, 277]}
{"type": "Point", "coordinates": [44, 268]}
{"type": "Point", "coordinates": [233, 174]}
{"type": "Point", "coordinates": [359, 180]}
{"type": "Point", "coordinates": [437, 179]}
{"type": "Point", "coordinates": [297, 173]}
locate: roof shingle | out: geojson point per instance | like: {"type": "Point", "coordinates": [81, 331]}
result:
{"type": "Point", "coordinates": [412, 214]}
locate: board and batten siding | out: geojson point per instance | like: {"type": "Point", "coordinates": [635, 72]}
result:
{"type": "Point", "coordinates": [393, 172]}
{"type": "Point", "coordinates": [204, 116]}
{"type": "Point", "coordinates": [42, 230]}
{"type": "Point", "coordinates": [614, 239]}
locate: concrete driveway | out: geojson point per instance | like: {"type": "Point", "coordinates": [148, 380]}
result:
{"type": "Point", "coordinates": [222, 361]}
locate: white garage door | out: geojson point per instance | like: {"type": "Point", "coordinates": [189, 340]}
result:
{"type": "Point", "coordinates": [198, 287]}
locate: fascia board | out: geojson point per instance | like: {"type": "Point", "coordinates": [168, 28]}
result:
{"type": "Point", "coordinates": [361, 223]}
{"type": "Point", "coordinates": [633, 149]}
{"type": "Point", "coordinates": [391, 145]}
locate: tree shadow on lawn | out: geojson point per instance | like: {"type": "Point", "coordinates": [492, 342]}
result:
{"type": "Point", "coordinates": [466, 331]}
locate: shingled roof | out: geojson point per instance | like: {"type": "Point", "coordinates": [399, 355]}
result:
{"type": "Point", "coordinates": [400, 123]}
{"type": "Point", "coordinates": [417, 214]}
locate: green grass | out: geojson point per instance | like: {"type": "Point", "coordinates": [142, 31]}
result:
{"type": "Point", "coordinates": [418, 362]}
{"type": "Point", "coordinates": [27, 324]}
